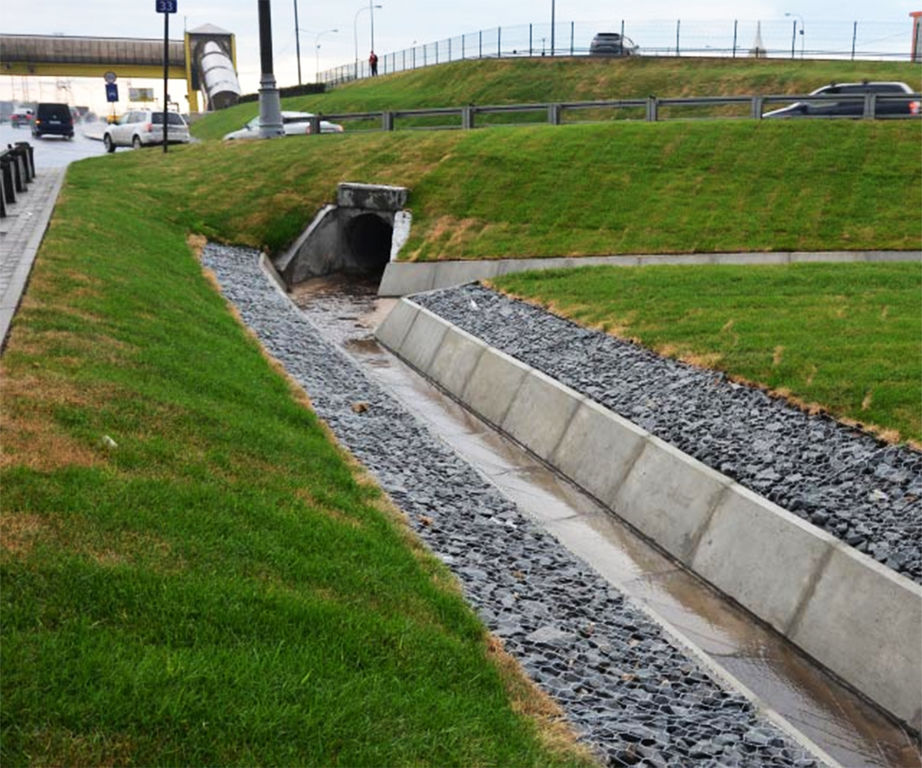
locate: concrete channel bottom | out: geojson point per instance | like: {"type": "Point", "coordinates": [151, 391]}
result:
{"type": "Point", "coordinates": [724, 637]}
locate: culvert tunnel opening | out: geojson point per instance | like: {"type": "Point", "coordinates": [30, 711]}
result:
{"type": "Point", "coordinates": [368, 240]}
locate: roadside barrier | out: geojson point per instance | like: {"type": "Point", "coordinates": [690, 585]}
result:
{"type": "Point", "coordinates": [17, 167]}
{"type": "Point", "coordinates": [651, 109]}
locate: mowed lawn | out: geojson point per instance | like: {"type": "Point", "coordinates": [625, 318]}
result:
{"type": "Point", "coordinates": [192, 572]}
{"type": "Point", "coordinates": [843, 337]}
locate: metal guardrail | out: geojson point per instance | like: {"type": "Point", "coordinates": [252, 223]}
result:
{"type": "Point", "coordinates": [17, 170]}
{"type": "Point", "coordinates": [466, 116]}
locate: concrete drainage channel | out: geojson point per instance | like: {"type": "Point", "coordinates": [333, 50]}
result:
{"type": "Point", "coordinates": [635, 691]}
{"type": "Point", "coordinates": [856, 616]}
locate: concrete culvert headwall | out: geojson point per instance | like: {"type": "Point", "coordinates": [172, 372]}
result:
{"type": "Point", "coordinates": [355, 237]}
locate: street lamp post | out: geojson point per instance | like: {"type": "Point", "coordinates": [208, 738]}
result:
{"type": "Point", "coordinates": [270, 105]}
{"type": "Point", "coordinates": [553, 9]}
{"type": "Point", "coordinates": [317, 53]}
{"type": "Point", "coordinates": [355, 33]}
{"type": "Point", "coordinates": [297, 42]}
{"type": "Point", "coordinates": [801, 18]}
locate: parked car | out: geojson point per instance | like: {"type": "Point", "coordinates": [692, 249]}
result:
{"type": "Point", "coordinates": [21, 116]}
{"type": "Point", "coordinates": [293, 123]}
{"type": "Point", "coordinates": [612, 44]}
{"type": "Point", "coordinates": [853, 107]}
{"type": "Point", "coordinates": [143, 127]}
{"type": "Point", "coordinates": [53, 119]}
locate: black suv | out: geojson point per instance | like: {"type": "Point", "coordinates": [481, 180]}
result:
{"type": "Point", "coordinates": [853, 106]}
{"type": "Point", "coordinates": [53, 120]}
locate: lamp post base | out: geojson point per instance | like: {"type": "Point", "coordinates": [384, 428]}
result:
{"type": "Point", "coordinates": [270, 109]}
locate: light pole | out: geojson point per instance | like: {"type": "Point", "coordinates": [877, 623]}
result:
{"type": "Point", "coordinates": [270, 106]}
{"type": "Point", "coordinates": [801, 18]}
{"type": "Point", "coordinates": [297, 42]}
{"type": "Point", "coordinates": [355, 33]}
{"type": "Point", "coordinates": [317, 53]}
{"type": "Point", "coordinates": [552, 26]}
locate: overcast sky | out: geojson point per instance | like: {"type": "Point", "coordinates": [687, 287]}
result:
{"type": "Point", "coordinates": [398, 24]}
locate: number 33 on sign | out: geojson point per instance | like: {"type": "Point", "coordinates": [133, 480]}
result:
{"type": "Point", "coordinates": [166, 6]}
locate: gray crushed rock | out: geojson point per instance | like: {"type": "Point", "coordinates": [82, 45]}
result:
{"type": "Point", "coordinates": [859, 489]}
{"type": "Point", "coordinates": [633, 694]}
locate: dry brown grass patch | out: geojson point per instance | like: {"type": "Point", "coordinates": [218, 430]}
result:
{"type": "Point", "coordinates": [527, 699]}
{"type": "Point", "coordinates": [18, 532]}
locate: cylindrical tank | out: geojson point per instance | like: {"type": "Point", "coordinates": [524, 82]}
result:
{"type": "Point", "coordinates": [218, 77]}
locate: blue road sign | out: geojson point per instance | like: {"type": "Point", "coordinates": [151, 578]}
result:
{"type": "Point", "coordinates": [166, 6]}
{"type": "Point", "coordinates": [111, 92]}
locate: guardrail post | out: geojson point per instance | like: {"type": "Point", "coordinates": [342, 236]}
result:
{"type": "Point", "coordinates": [467, 117]}
{"type": "Point", "coordinates": [652, 109]}
{"type": "Point", "coordinates": [9, 176]}
{"type": "Point", "coordinates": [757, 102]}
{"type": "Point", "coordinates": [572, 32]}
{"type": "Point", "coordinates": [313, 125]}
{"type": "Point", "coordinates": [387, 120]}
{"type": "Point", "coordinates": [870, 106]}
{"type": "Point", "coordinates": [553, 114]}
{"type": "Point", "coordinates": [499, 42]}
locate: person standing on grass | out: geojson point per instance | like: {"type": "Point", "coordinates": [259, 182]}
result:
{"type": "Point", "coordinates": [373, 63]}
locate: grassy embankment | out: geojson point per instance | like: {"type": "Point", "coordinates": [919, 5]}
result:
{"type": "Point", "coordinates": [843, 336]}
{"type": "Point", "coordinates": [511, 81]}
{"type": "Point", "coordinates": [220, 586]}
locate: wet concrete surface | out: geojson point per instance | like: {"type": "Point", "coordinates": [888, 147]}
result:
{"type": "Point", "coordinates": [719, 632]}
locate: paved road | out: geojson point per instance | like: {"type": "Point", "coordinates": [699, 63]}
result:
{"type": "Point", "coordinates": [54, 151]}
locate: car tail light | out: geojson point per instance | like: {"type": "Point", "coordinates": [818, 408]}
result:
{"type": "Point", "coordinates": [149, 127]}
{"type": "Point", "coordinates": [914, 107]}
{"type": "Point", "coordinates": [39, 122]}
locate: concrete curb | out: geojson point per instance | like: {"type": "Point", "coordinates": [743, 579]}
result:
{"type": "Point", "coordinates": [856, 617]}
{"type": "Point", "coordinates": [24, 253]}
{"type": "Point", "coordinates": [401, 278]}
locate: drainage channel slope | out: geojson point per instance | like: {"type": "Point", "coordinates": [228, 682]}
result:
{"type": "Point", "coordinates": [634, 692]}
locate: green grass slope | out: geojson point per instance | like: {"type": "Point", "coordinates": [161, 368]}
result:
{"type": "Point", "coordinates": [845, 336]}
{"type": "Point", "coordinates": [572, 190]}
{"type": "Point", "coordinates": [507, 81]}
{"type": "Point", "coordinates": [218, 586]}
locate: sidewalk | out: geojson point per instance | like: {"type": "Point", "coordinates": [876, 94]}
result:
{"type": "Point", "coordinates": [21, 233]}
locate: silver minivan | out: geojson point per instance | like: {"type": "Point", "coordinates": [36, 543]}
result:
{"type": "Point", "coordinates": [143, 127]}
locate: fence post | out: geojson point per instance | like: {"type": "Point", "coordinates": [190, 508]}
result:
{"type": "Point", "coordinates": [678, 26]}
{"type": "Point", "coordinates": [572, 25]}
{"type": "Point", "coordinates": [436, 51]}
{"type": "Point", "coordinates": [404, 63]}
{"type": "Point", "coordinates": [425, 53]}
{"type": "Point", "coordinates": [387, 120]}
{"type": "Point", "coordinates": [793, 38]}
{"type": "Point", "coordinates": [735, 23]}
{"type": "Point", "coordinates": [870, 106]}
{"type": "Point", "coordinates": [467, 117]}
{"type": "Point", "coordinates": [553, 114]}
{"type": "Point", "coordinates": [463, 54]}
{"type": "Point", "coordinates": [499, 42]}
{"type": "Point", "coordinates": [854, 38]}
{"type": "Point", "coordinates": [413, 57]}
{"type": "Point", "coordinates": [652, 111]}
{"type": "Point", "coordinates": [530, 47]}
{"type": "Point", "coordinates": [314, 125]}
{"type": "Point", "coordinates": [480, 50]}
{"type": "Point", "coordinates": [449, 50]}
{"type": "Point", "coordinates": [621, 43]}
{"type": "Point", "coordinates": [756, 112]}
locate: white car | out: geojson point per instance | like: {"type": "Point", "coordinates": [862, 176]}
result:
{"type": "Point", "coordinates": [143, 127]}
{"type": "Point", "coordinates": [293, 123]}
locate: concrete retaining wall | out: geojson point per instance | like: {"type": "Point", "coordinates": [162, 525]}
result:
{"type": "Point", "coordinates": [402, 278]}
{"type": "Point", "coordinates": [856, 617]}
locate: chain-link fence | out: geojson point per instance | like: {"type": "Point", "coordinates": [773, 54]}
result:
{"type": "Point", "coordinates": [786, 38]}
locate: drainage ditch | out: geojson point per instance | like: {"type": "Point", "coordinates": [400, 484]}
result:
{"type": "Point", "coordinates": [639, 693]}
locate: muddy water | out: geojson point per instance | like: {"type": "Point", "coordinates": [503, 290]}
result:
{"type": "Point", "coordinates": [713, 628]}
